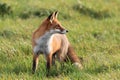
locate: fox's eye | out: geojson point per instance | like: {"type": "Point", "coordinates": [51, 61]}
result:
{"type": "Point", "coordinates": [57, 27]}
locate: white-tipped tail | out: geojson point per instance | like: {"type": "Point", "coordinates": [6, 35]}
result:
{"type": "Point", "coordinates": [78, 65]}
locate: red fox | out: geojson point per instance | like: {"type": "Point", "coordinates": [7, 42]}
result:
{"type": "Point", "coordinates": [50, 39]}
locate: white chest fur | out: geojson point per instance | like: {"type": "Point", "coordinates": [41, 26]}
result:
{"type": "Point", "coordinates": [44, 43]}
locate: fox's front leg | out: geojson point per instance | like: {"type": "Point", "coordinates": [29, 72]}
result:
{"type": "Point", "coordinates": [35, 62]}
{"type": "Point", "coordinates": [49, 63]}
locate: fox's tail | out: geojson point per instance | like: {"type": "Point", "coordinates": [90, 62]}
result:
{"type": "Point", "coordinates": [73, 57]}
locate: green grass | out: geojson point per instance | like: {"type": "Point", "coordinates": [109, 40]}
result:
{"type": "Point", "coordinates": [94, 31]}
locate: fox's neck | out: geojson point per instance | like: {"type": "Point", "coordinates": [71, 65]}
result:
{"type": "Point", "coordinates": [39, 32]}
{"type": "Point", "coordinates": [42, 31]}
{"type": "Point", "coordinates": [43, 28]}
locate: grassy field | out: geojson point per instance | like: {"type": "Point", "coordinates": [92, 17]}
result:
{"type": "Point", "coordinates": [94, 31]}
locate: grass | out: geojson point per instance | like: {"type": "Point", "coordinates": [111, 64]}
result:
{"type": "Point", "coordinates": [94, 31]}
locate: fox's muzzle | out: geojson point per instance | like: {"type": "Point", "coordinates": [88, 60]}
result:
{"type": "Point", "coordinates": [64, 31]}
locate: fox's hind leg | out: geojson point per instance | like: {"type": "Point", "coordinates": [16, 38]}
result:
{"type": "Point", "coordinates": [35, 62]}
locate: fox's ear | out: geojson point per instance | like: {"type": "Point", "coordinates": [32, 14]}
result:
{"type": "Point", "coordinates": [51, 17]}
{"type": "Point", "coordinates": [56, 13]}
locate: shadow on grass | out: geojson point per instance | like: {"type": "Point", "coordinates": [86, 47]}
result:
{"type": "Point", "coordinates": [37, 12]}
{"type": "Point", "coordinates": [5, 9]}
{"type": "Point", "coordinates": [99, 14]}
{"type": "Point", "coordinates": [57, 70]}
{"type": "Point", "coordinates": [40, 13]}
{"type": "Point", "coordinates": [25, 14]}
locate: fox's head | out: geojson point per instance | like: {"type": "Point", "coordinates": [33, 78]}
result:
{"type": "Point", "coordinates": [54, 25]}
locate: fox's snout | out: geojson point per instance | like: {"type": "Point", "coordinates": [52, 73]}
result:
{"type": "Point", "coordinates": [64, 31]}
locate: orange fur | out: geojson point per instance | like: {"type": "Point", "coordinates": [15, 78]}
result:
{"type": "Point", "coordinates": [59, 44]}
